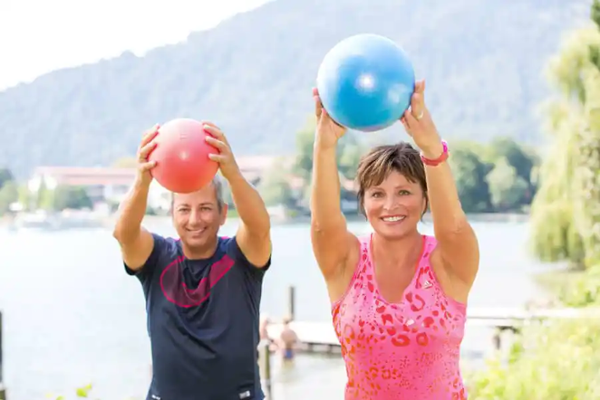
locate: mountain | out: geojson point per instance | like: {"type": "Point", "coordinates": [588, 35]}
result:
{"type": "Point", "coordinates": [253, 73]}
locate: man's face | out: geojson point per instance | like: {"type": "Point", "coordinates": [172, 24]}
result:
{"type": "Point", "coordinates": [197, 217]}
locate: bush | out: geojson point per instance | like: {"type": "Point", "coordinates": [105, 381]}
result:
{"type": "Point", "coordinates": [558, 361]}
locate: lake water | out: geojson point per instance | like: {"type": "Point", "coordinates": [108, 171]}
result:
{"type": "Point", "coordinates": [72, 315]}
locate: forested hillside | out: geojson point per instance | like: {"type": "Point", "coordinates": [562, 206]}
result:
{"type": "Point", "coordinates": [252, 74]}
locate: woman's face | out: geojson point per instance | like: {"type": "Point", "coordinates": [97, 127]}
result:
{"type": "Point", "coordinates": [394, 207]}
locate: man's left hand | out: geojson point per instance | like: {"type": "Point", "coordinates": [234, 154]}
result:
{"type": "Point", "coordinates": [225, 158]}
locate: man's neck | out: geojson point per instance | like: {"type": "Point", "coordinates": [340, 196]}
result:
{"type": "Point", "coordinates": [200, 253]}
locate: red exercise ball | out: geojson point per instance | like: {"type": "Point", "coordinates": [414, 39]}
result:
{"type": "Point", "coordinates": [181, 155]}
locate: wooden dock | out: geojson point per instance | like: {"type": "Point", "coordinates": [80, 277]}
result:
{"type": "Point", "coordinates": [320, 337]}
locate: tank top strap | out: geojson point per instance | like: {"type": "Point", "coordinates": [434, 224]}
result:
{"type": "Point", "coordinates": [425, 275]}
{"type": "Point", "coordinates": [430, 244]}
{"type": "Point", "coordinates": [364, 262]}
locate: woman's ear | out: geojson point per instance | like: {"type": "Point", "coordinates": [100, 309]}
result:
{"type": "Point", "coordinates": [425, 204]}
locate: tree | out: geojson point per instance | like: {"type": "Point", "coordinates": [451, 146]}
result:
{"type": "Point", "coordinates": [71, 197]}
{"type": "Point", "coordinates": [44, 198]}
{"type": "Point", "coordinates": [508, 190]}
{"type": "Point", "coordinates": [9, 194]}
{"type": "Point", "coordinates": [523, 161]}
{"type": "Point", "coordinates": [566, 209]}
{"type": "Point", "coordinates": [302, 166]}
{"type": "Point", "coordinates": [5, 176]}
{"type": "Point", "coordinates": [596, 12]}
{"type": "Point", "coordinates": [348, 155]}
{"type": "Point", "coordinates": [275, 187]}
{"type": "Point", "coordinates": [469, 173]}
{"type": "Point", "coordinates": [348, 152]}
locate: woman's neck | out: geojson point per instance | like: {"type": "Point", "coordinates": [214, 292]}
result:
{"type": "Point", "coordinates": [399, 251]}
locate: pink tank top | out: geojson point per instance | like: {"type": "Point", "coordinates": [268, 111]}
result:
{"type": "Point", "coordinates": [408, 350]}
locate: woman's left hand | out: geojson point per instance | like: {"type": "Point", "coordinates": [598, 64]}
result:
{"type": "Point", "coordinates": [419, 125]}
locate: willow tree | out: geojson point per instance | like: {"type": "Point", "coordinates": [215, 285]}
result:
{"type": "Point", "coordinates": [566, 210]}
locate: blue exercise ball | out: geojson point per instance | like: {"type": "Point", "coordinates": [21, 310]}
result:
{"type": "Point", "coordinates": [365, 82]}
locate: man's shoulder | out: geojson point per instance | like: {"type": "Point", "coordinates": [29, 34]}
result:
{"type": "Point", "coordinates": [232, 249]}
{"type": "Point", "coordinates": [166, 247]}
{"type": "Point", "coordinates": [162, 240]}
{"type": "Point", "coordinates": [228, 244]}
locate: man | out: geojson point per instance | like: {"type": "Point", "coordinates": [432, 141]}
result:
{"type": "Point", "coordinates": [202, 291]}
{"type": "Point", "coordinates": [288, 341]}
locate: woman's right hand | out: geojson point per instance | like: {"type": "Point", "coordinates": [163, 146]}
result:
{"type": "Point", "coordinates": [146, 146]}
{"type": "Point", "coordinates": [328, 131]}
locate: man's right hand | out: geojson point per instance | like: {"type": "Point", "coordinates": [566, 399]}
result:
{"type": "Point", "coordinates": [136, 242]}
{"type": "Point", "coordinates": [146, 146]}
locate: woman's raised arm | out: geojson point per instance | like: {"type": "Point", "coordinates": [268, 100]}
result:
{"type": "Point", "coordinates": [331, 240]}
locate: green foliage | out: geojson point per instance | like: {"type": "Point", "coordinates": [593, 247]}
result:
{"type": "Point", "coordinates": [581, 292]}
{"type": "Point", "coordinates": [72, 197]}
{"type": "Point", "coordinates": [518, 156]}
{"type": "Point", "coordinates": [469, 173]}
{"type": "Point", "coordinates": [489, 178]}
{"type": "Point", "coordinates": [82, 392]}
{"type": "Point", "coordinates": [302, 166]}
{"type": "Point", "coordinates": [349, 155]}
{"type": "Point", "coordinates": [275, 187]}
{"type": "Point", "coordinates": [566, 211]}
{"type": "Point", "coordinates": [6, 175]}
{"type": "Point", "coordinates": [596, 12]}
{"type": "Point", "coordinates": [559, 361]}
{"type": "Point", "coordinates": [574, 288]}
{"type": "Point", "coordinates": [9, 193]}
{"type": "Point", "coordinates": [508, 190]}
{"type": "Point", "coordinates": [253, 75]}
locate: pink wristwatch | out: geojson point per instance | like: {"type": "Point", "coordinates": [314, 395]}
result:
{"type": "Point", "coordinates": [443, 157]}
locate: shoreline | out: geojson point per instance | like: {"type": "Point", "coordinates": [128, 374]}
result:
{"type": "Point", "coordinates": [486, 217]}
{"type": "Point", "coordinates": [108, 220]}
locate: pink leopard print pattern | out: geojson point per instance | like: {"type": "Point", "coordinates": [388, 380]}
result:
{"type": "Point", "coordinates": [404, 351]}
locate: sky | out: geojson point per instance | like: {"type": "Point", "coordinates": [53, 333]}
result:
{"type": "Point", "coordinates": [39, 36]}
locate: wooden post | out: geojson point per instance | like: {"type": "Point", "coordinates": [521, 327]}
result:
{"type": "Point", "coordinates": [264, 362]}
{"type": "Point", "coordinates": [497, 338]}
{"type": "Point", "coordinates": [292, 303]}
{"type": "Point", "coordinates": [2, 388]}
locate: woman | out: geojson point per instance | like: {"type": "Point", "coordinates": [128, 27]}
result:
{"type": "Point", "coordinates": [398, 297]}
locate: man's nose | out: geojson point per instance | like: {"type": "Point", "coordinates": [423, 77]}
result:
{"type": "Point", "coordinates": [194, 217]}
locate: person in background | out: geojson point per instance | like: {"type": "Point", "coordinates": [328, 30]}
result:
{"type": "Point", "coordinates": [265, 321]}
{"type": "Point", "coordinates": [398, 297]}
{"type": "Point", "coordinates": [287, 341]}
{"type": "Point", "coordinates": [202, 290]}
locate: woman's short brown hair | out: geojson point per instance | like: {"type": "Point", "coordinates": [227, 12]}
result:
{"type": "Point", "coordinates": [376, 165]}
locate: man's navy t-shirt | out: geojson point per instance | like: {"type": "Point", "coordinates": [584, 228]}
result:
{"type": "Point", "coordinates": [203, 322]}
